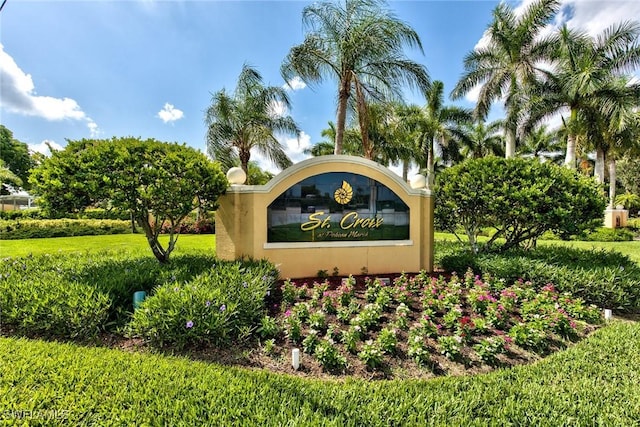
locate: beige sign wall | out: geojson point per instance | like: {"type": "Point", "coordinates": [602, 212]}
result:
{"type": "Point", "coordinates": [241, 226]}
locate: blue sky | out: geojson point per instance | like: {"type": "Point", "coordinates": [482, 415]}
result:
{"type": "Point", "coordinates": [81, 69]}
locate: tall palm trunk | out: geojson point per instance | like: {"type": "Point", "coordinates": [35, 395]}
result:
{"type": "Point", "coordinates": [430, 168]}
{"type": "Point", "coordinates": [598, 171]}
{"type": "Point", "coordinates": [363, 120]}
{"type": "Point", "coordinates": [244, 163]}
{"type": "Point", "coordinates": [570, 157]}
{"type": "Point", "coordinates": [343, 97]}
{"type": "Point", "coordinates": [510, 144]}
{"type": "Point", "coordinates": [612, 181]}
{"type": "Point", "coordinates": [405, 170]}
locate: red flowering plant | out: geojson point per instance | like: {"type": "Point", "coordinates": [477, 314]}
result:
{"type": "Point", "coordinates": [465, 328]}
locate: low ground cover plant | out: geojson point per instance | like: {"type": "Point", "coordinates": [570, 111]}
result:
{"type": "Point", "coordinates": [422, 322]}
{"type": "Point", "coordinates": [81, 295]}
{"type": "Point", "coordinates": [603, 278]}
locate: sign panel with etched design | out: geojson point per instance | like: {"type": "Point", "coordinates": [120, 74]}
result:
{"type": "Point", "coordinates": [337, 206]}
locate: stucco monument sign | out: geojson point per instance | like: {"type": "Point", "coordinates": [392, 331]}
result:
{"type": "Point", "coordinates": [329, 212]}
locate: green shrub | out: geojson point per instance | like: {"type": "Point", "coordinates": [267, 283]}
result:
{"type": "Point", "coordinates": [191, 225]}
{"type": "Point", "coordinates": [519, 198]}
{"type": "Point", "coordinates": [387, 340]}
{"type": "Point", "coordinates": [32, 213]}
{"type": "Point", "coordinates": [44, 228]}
{"type": "Point", "coordinates": [450, 346]}
{"type": "Point", "coordinates": [604, 278]}
{"type": "Point", "coordinates": [489, 348]}
{"type": "Point", "coordinates": [634, 224]}
{"type": "Point", "coordinates": [417, 348]}
{"type": "Point", "coordinates": [269, 328]}
{"type": "Point", "coordinates": [329, 357]}
{"type": "Point", "coordinates": [371, 354]}
{"type": "Point", "coordinates": [215, 307]}
{"type": "Point", "coordinates": [609, 235]}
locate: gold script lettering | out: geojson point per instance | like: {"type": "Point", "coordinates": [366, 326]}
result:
{"type": "Point", "coordinates": [351, 220]}
{"type": "Point", "coordinates": [315, 221]}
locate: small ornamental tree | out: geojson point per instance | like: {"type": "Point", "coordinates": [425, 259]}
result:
{"type": "Point", "coordinates": [158, 183]}
{"type": "Point", "coordinates": [520, 199]}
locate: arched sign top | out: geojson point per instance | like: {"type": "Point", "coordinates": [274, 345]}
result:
{"type": "Point", "coordinates": [334, 163]}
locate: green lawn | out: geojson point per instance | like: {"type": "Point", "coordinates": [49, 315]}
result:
{"type": "Point", "coordinates": [592, 383]}
{"type": "Point", "coordinates": [127, 242]}
{"type": "Point", "coordinates": [206, 242]}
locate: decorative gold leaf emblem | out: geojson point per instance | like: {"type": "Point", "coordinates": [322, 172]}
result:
{"type": "Point", "coordinates": [343, 194]}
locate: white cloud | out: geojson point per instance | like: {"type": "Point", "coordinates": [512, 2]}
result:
{"type": "Point", "coordinates": [594, 16]}
{"type": "Point", "coordinates": [278, 109]}
{"type": "Point", "coordinates": [45, 147]}
{"type": "Point", "coordinates": [19, 96]}
{"type": "Point", "coordinates": [295, 83]}
{"type": "Point", "coordinates": [169, 113]}
{"type": "Point", "coordinates": [93, 128]}
{"type": "Point", "coordinates": [473, 94]}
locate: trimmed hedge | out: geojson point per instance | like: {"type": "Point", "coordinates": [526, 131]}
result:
{"type": "Point", "coordinates": [592, 383]}
{"type": "Point", "coordinates": [44, 228]}
{"type": "Point", "coordinates": [609, 235]}
{"type": "Point", "coordinates": [604, 278]}
{"type": "Point", "coordinates": [36, 213]}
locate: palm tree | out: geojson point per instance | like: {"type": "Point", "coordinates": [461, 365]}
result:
{"type": "Point", "coordinates": [419, 132]}
{"type": "Point", "coordinates": [541, 143]}
{"type": "Point", "coordinates": [360, 44]}
{"type": "Point", "coordinates": [510, 62]}
{"type": "Point", "coordinates": [352, 144]}
{"type": "Point", "coordinates": [621, 133]}
{"type": "Point", "coordinates": [444, 125]}
{"type": "Point", "coordinates": [245, 119]}
{"type": "Point", "coordinates": [585, 68]}
{"type": "Point", "coordinates": [409, 129]}
{"type": "Point", "coordinates": [480, 140]}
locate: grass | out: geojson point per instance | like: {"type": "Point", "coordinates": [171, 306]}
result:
{"type": "Point", "coordinates": [592, 383]}
{"type": "Point", "coordinates": [187, 243]}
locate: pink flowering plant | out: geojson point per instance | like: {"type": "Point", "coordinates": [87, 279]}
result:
{"type": "Point", "coordinates": [430, 321]}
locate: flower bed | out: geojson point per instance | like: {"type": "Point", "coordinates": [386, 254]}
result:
{"type": "Point", "coordinates": [418, 325]}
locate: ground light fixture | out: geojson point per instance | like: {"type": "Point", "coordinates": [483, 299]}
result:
{"type": "Point", "coordinates": [295, 358]}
